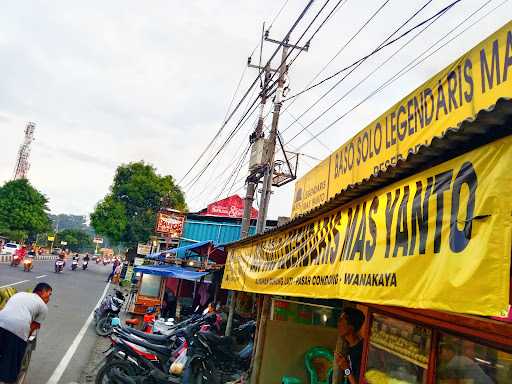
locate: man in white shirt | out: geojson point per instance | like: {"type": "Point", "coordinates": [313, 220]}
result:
{"type": "Point", "coordinates": [21, 316]}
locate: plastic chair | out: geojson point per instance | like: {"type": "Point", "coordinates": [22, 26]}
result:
{"type": "Point", "coordinates": [309, 358]}
{"type": "Point", "coordinates": [318, 353]}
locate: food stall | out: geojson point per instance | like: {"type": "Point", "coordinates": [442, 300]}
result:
{"type": "Point", "coordinates": [151, 285]}
{"type": "Point", "coordinates": [410, 221]}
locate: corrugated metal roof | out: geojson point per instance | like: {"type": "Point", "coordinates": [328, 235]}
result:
{"type": "Point", "coordinates": [486, 126]}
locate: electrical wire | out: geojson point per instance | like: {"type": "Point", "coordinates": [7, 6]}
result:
{"type": "Point", "coordinates": [295, 24]}
{"type": "Point", "coordinates": [407, 68]}
{"type": "Point", "coordinates": [354, 68]}
{"type": "Point", "coordinates": [430, 20]}
{"type": "Point", "coordinates": [231, 114]}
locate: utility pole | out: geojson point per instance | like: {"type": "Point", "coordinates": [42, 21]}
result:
{"type": "Point", "coordinates": [253, 178]}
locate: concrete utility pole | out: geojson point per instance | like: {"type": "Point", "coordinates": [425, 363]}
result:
{"type": "Point", "coordinates": [252, 181]}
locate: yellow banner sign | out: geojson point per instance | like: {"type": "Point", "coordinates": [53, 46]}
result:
{"type": "Point", "coordinates": [473, 82]}
{"type": "Point", "coordinates": [311, 191]}
{"type": "Point", "coordinates": [440, 239]}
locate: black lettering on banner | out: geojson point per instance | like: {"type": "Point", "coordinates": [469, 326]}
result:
{"type": "Point", "coordinates": [360, 237]}
{"type": "Point", "coordinates": [452, 87]}
{"type": "Point", "coordinates": [402, 230]}
{"type": "Point", "coordinates": [335, 237]}
{"type": "Point", "coordinates": [492, 73]}
{"type": "Point", "coordinates": [401, 126]}
{"type": "Point", "coordinates": [411, 116]}
{"type": "Point", "coordinates": [441, 100]}
{"type": "Point", "coordinates": [390, 209]}
{"type": "Point", "coordinates": [460, 239]}
{"type": "Point", "coordinates": [459, 76]}
{"type": "Point", "coordinates": [349, 235]}
{"type": "Point", "coordinates": [427, 94]}
{"type": "Point", "coordinates": [468, 66]}
{"type": "Point", "coordinates": [419, 216]}
{"type": "Point", "coordinates": [377, 141]}
{"type": "Point", "coordinates": [372, 226]}
{"type": "Point", "coordinates": [508, 56]}
{"type": "Point", "coordinates": [442, 184]}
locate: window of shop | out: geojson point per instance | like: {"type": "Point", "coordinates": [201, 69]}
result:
{"type": "Point", "coordinates": [304, 313]}
{"type": "Point", "coordinates": [460, 361]}
{"type": "Point", "coordinates": [398, 351]}
{"type": "Point", "coordinates": [150, 285]}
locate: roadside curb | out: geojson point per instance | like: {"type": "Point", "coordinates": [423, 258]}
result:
{"type": "Point", "coordinates": [8, 258]}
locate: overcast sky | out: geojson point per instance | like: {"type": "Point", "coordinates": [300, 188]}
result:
{"type": "Point", "coordinates": [109, 82]}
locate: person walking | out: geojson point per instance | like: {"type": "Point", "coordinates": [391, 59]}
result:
{"type": "Point", "coordinates": [114, 266]}
{"type": "Point", "coordinates": [21, 316]}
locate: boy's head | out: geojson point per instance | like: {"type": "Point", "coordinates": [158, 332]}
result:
{"type": "Point", "coordinates": [351, 320]}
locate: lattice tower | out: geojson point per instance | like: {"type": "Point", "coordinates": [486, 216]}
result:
{"type": "Point", "coordinates": [22, 162]}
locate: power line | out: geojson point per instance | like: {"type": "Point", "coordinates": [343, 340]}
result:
{"type": "Point", "coordinates": [407, 68]}
{"type": "Point", "coordinates": [431, 19]}
{"type": "Point", "coordinates": [295, 24]}
{"type": "Point", "coordinates": [360, 62]}
{"type": "Point", "coordinates": [245, 94]}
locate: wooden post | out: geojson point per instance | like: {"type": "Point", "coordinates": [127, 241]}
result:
{"type": "Point", "coordinates": [261, 331]}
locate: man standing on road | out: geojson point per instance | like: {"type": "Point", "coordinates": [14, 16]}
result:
{"type": "Point", "coordinates": [21, 316]}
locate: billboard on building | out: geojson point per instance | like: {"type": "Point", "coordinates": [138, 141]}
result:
{"type": "Point", "coordinates": [170, 224]}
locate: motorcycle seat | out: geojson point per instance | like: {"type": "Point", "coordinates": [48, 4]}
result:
{"type": "Point", "coordinates": [213, 339]}
{"type": "Point", "coordinates": [157, 348]}
{"type": "Point", "coordinates": [158, 339]}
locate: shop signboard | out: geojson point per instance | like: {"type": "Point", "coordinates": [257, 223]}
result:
{"type": "Point", "coordinates": [98, 240]}
{"type": "Point", "coordinates": [170, 224]}
{"type": "Point", "coordinates": [232, 207]}
{"type": "Point", "coordinates": [473, 82]}
{"type": "Point", "coordinates": [439, 239]}
{"type": "Point", "coordinates": [51, 237]}
{"type": "Point", "coordinates": [138, 261]}
{"type": "Point", "coordinates": [143, 249]}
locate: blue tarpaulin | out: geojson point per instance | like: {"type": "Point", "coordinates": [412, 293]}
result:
{"type": "Point", "coordinates": [201, 248]}
{"type": "Point", "coordinates": [170, 271]}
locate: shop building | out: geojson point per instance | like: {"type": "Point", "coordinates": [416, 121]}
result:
{"type": "Point", "coordinates": [410, 221]}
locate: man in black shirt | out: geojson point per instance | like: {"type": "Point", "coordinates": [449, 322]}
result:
{"type": "Point", "coordinates": [349, 324]}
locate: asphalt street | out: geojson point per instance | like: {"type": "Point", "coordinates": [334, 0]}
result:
{"type": "Point", "coordinates": [75, 295]}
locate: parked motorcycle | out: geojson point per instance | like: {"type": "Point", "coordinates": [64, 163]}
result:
{"type": "Point", "coordinates": [84, 265]}
{"type": "Point", "coordinates": [27, 264]}
{"type": "Point", "coordinates": [108, 309]}
{"type": "Point", "coordinates": [217, 359]}
{"type": "Point", "coordinates": [59, 265]}
{"type": "Point", "coordinates": [151, 355]}
{"type": "Point", "coordinates": [15, 261]}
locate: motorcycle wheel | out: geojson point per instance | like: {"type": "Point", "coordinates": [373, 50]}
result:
{"type": "Point", "coordinates": [104, 326]}
{"type": "Point", "coordinates": [102, 377]}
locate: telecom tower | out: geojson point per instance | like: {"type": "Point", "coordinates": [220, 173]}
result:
{"type": "Point", "coordinates": [22, 163]}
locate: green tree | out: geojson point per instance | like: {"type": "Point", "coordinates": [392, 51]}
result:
{"type": "Point", "coordinates": [77, 239]}
{"type": "Point", "coordinates": [127, 214]}
{"type": "Point", "coordinates": [23, 210]}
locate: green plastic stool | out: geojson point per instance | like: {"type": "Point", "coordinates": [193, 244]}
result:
{"type": "Point", "coordinates": [313, 353]}
{"type": "Point", "coordinates": [318, 352]}
{"type": "Point", "coordinates": [290, 380]}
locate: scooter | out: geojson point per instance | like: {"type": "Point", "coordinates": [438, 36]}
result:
{"type": "Point", "coordinates": [27, 264]}
{"type": "Point", "coordinates": [108, 309]}
{"type": "Point", "coordinates": [15, 261]}
{"type": "Point", "coordinates": [74, 264]}
{"type": "Point", "coordinates": [84, 265]}
{"type": "Point", "coordinates": [59, 266]}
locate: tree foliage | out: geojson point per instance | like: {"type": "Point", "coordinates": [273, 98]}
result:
{"type": "Point", "coordinates": [127, 214]}
{"type": "Point", "coordinates": [23, 210]}
{"type": "Point", "coordinates": [65, 221]}
{"type": "Point", "coordinates": [77, 239]}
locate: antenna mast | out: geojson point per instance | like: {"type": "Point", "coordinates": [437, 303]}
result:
{"type": "Point", "coordinates": [22, 163]}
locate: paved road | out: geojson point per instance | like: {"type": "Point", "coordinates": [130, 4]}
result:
{"type": "Point", "coordinates": [75, 295]}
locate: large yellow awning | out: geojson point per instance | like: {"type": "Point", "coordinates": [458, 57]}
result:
{"type": "Point", "coordinates": [472, 83]}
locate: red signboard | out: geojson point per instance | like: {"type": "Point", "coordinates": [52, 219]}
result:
{"type": "Point", "coordinates": [232, 206]}
{"type": "Point", "coordinates": [170, 224]}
